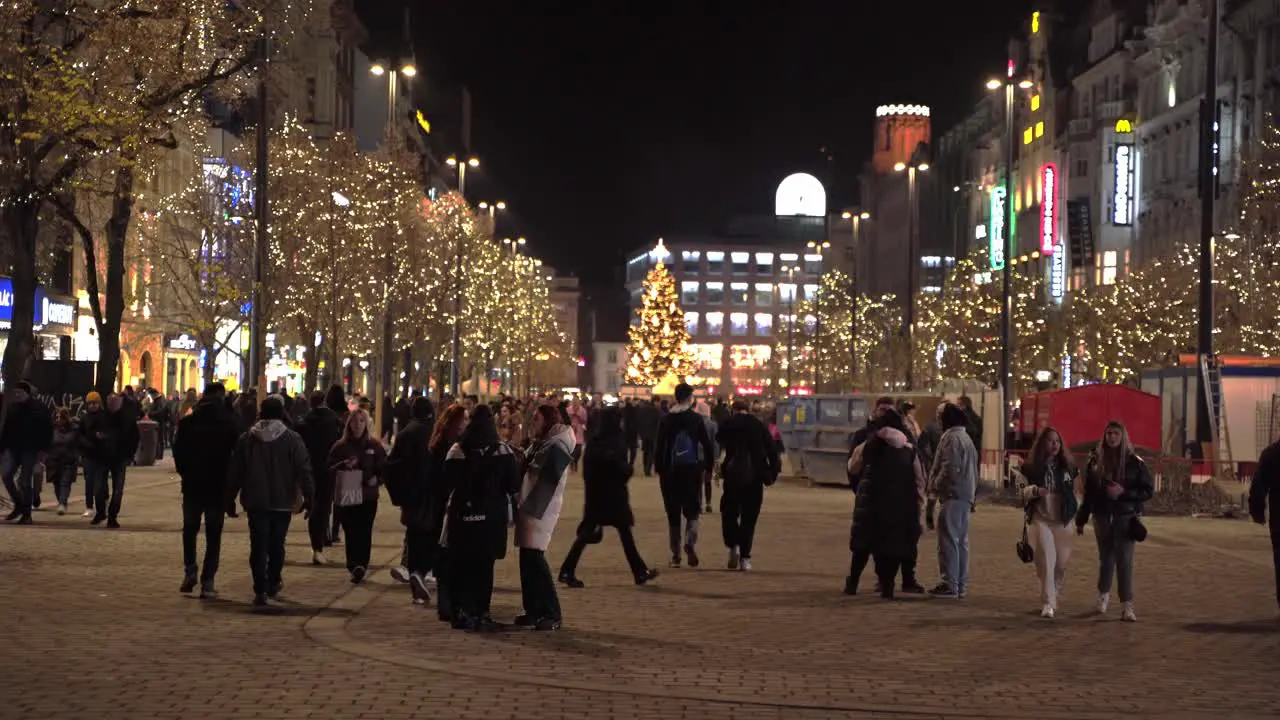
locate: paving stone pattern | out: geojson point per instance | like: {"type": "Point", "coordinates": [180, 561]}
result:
{"type": "Point", "coordinates": [95, 628]}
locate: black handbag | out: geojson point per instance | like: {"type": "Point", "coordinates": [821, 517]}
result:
{"type": "Point", "coordinates": [1137, 530]}
{"type": "Point", "coordinates": [1026, 553]}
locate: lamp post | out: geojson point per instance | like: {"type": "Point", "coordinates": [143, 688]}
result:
{"type": "Point", "coordinates": [818, 248]}
{"type": "Point", "coordinates": [1005, 378]}
{"type": "Point", "coordinates": [456, 354]}
{"type": "Point", "coordinates": [791, 271]}
{"type": "Point", "coordinates": [855, 219]}
{"type": "Point", "coordinates": [913, 263]}
{"type": "Point", "coordinates": [384, 367]}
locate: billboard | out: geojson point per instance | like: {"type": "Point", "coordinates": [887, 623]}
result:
{"type": "Point", "coordinates": [1122, 198]}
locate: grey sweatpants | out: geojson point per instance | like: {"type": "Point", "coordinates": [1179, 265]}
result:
{"type": "Point", "coordinates": [1115, 553]}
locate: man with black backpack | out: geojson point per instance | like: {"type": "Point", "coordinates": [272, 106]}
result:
{"type": "Point", "coordinates": [750, 463]}
{"type": "Point", "coordinates": [683, 454]}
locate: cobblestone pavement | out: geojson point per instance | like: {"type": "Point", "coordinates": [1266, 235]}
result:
{"type": "Point", "coordinates": [95, 628]}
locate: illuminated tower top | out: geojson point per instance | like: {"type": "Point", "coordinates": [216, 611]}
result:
{"type": "Point", "coordinates": [899, 131]}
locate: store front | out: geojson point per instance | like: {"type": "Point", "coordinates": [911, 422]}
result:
{"type": "Point", "coordinates": [54, 322]}
{"type": "Point", "coordinates": [181, 364]}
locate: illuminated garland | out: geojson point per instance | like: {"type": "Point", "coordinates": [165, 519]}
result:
{"type": "Point", "coordinates": [659, 340]}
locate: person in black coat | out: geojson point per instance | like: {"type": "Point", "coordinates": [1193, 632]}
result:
{"type": "Point", "coordinates": [27, 434]}
{"type": "Point", "coordinates": [647, 418]}
{"type": "Point", "coordinates": [202, 452]}
{"type": "Point", "coordinates": [606, 471]}
{"type": "Point", "coordinates": [750, 463]}
{"type": "Point", "coordinates": [887, 518]}
{"type": "Point", "coordinates": [320, 428]}
{"type": "Point", "coordinates": [409, 470]}
{"type": "Point", "coordinates": [631, 431]}
{"type": "Point", "coordinates": [335, 398]}
{"type": "Point", "coordinates": [1264, 501]}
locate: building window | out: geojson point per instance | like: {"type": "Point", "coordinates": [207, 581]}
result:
{"type": "Point", "coordinates": [810, 324]}
{"type": "Point", "coordinates": [1035, 102]}
{"type": "Point", "coordinates": [764, 263]}
{"type": "Point", "coordinates": [813, 264]}
{"type": "Point", "coordinates": [738, 324]}
{"type": "Point", "coordinates": [787, 293]}
{"type": "Point", "coordinates": [738, 294]}
{"type": "Point", "coordinates": [1040, 129]}
{"type": "Point", "coordinates": [764, 324]}
{"type": "Point", "coordinates": [715, 324]}
{"type": "Point", "coordinates": [689, 292]}
{"type": "Point", "coordinates": [764, 294]}
{"type": "Point", "coordinates": [612, 357]}
{"type": "Point", "coordinates": [931, 261]}
{"type": "Point", "coordinates": [810, 293]}
{"type": "Point", "coordinates": [715, 293]}
{"type": "Point", "coordinates": [715, 263]}
{"type": "Point", "coordinates": [689, 261]}
{"type": "Point", "coordinates": [1027, 136]}
{"type": "Point", "coordinates": [741, 261]}
{"type": "Point", "coordinates": [1109, 267]}
{"type": "Point", "coordinates": [691, 322]}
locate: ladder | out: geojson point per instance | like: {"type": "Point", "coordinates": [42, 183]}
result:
{"type": "Point", "coordinates": [1211, 381]}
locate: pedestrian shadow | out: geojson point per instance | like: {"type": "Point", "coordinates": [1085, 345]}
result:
{"type": "Point", "coordinates": [657, 589]}
{"type": "Point", "coordinates": [1243, 627]}
{"type": "Point", "coordinates": [277, 608]}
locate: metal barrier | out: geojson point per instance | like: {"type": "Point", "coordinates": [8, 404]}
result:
{"type": "Point", "coordinates": [816, 431]}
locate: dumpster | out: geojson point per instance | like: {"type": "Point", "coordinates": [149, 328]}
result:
{"type": "Point", "coordinates": [816, 431]}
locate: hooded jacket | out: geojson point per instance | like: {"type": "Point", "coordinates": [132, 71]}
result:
{"type": "Point", "coordinates": [954, 473]}
{"type": "Point", "coordinates": [270, 469]}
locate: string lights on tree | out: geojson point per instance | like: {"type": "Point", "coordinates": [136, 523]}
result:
{"type": "Point", "coordinates": [659, 340]}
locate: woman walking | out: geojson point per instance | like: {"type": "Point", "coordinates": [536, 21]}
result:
{"type": "Point", "coordinates": [357, 461]}
{"type": "Point", "coordinates": [1117, 483]}
{"type": "Point", "coordinates": [482, 475]}
{"type": "Point", "coordinates": [887, 520]}
{"type": "Point", "coordinates": [60, 465]}
{"type": "Point", "coordinates": [1051, 488]}
{"type": "Point", "coordinates": [541, 497]}
{"type": "Point", "coordinates": [606, 470]}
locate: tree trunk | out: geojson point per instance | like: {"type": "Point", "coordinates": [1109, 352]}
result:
{"type": "Point", "coordinates": [20, 223]}
{"type": "Point", "coordinates": [209, 345]}
{"type": "Point", "coordinates": [117, 233]}
{"type": "Point", "coordinates": [311, 377]}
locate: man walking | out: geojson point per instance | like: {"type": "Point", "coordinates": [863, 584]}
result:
{"type": "Point", "coordinates": [953, 479]}
{"type": "Point", "coordinates": [1264, 500]}
{"type": "Point", "coordinates": [683, 454]}
{"type": "Point", "coordinates": [647, 418]}
{"type": "Point", "coordinates": [750, 463]}
{"type": "Point", "coordinates": [630, 431]}
{"type": "Point", "coordinates": [27, 435]}
{"type": "Point", "coordinates": [202, 452]}
{"type": "Point", "coordinates": [320, 428]}
{"type": "Point", "coordinates": [270, 471]}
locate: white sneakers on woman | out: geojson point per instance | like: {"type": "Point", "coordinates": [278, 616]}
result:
{"type": "Point", "coordinates": [1127, 614]}
{"type": "Point", "coordinates": [1104, 601]}
{"type": "Point", "coordinates": [1047, 611]}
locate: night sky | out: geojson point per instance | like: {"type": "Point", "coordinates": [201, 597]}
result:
{"type": "Point", "coordinates": [608, 124]}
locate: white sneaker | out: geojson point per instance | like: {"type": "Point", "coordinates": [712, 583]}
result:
{"type": "Point", "coordinates": [733, 558]}
{"type": "Point", "coordinates": [86, 514]}
{"type": "Point", "coordinates": [1047, 612]}
{"type": "Point", "coordinates": [1128, 615]}
{"type": "Point", "coordinates": [317, 558]}
{"type": "Point", "coordinates": [400, 573]}
{"type": "Point", "coordinates": [1104, 601]}
{"type": "Point", "coordinates": [430, 578]}
{"type": "Point", "coordinates": [62, 509]}
{"type": "Point", "coordinates": [745, 566]}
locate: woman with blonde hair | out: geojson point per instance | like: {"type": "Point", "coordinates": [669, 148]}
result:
{"type": "Point", "coordinates": [1051, 487]}
{"type": "Point", "coordinates": [359, 452]}
{"type": "Point", "coordinates": [1117, 483]}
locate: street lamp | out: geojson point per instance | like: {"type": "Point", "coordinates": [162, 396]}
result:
{"type": "Point", "coordinates": [461, 166]}
{"type": "Point", "coordinates": [819, 248]}
{"type": "Point", "coordinates": [790, 271]}
{"type": "Point", "coordinates": [912, 262]}
{"type": "Point", "coordinates": [1005, 378]}
{"type": "Point", "coordinates": [855, 219]}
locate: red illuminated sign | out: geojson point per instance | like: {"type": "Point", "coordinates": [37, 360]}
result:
{"type": "Point", "coordinates": [1049, 209]}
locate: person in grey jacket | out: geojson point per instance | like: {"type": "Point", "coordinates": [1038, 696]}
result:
{"type": "Point", "coordinates": [953, 479]}
{"type": "Point", "coordinates": [270, 472]}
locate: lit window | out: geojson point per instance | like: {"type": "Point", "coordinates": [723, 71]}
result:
{"type": "Point", "coordinates": [1027, 136]}
{"type": "Point", "coordinates": [715, 263]}
{"type": "Point", "coordinates": [764, 324]}
{"type": "Point", "coordinates": [715, 324]}
{"type": "Point", "coordinates": [788, 257]}
{"type": "Point", "coordinates": [715, 293]}
{"type": "Point", "coordinates": [1173, 93]}
{"type": "Point", "coordinates": [1035, 22]}
{"type": "Point", "coordinates": [764, 263]}
{"type": "Point", "coordinates": [738, 324]}
{"type": "Point", "coordinates": [787, 292]}
{"type": "Point", "coordinates": [932, 288]}
{"type": "Point", "coordinates": [813, 264]}
{"type": "Point", "coordinates": [738, 293]}
{"type": "Point", "coordinates": [1035, 103]}
{"type": "Point", "coordinates": [1040, 129]}
{"type": "Point", "coordinates": [931, 261]}
{"type": "Point", "coordinates": [810, 323]}
{"type": "Point", "coordinates": [810, 293]}
{"type": "Point", "coordinates": [689, 261]}
{"type": "Point", "coordinates": [764, 294]}
{"type": "Point", "coordinates": [740, 262]}
{"type": "Point", "coordinates": [1109, 267]}
{"type": "Point", "coordinates": [689, 292]}
{"type": "Point", "coordinates": [691, 322]}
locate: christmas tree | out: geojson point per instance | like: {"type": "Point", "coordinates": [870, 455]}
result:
{"type": "Point", "coordinates": [659, 341]}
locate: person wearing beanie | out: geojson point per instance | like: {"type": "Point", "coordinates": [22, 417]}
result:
{"type": "Point", "coordinates": [96, 439]}
{"type": "Point", "coordinates": [27, 433]}
{"type": "Point", "coordinates": [270, 473]}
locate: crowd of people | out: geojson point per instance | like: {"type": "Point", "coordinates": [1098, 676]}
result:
{"type": "Point", "coordinates": [477, 476]}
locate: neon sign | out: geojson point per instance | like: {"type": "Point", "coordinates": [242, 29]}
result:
{"type": "Point", "coordinates": [1049, 209]}
{"type": "Point", "coordinates": [996, 236]}
{"type": "Point", "coordinates": [1058, 272]}
{"type": "Point", "coordinates": [1122, 199]}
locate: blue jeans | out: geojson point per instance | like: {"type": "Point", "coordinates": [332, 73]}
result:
{"type": "Point", "coordinates": [267, 532]}
{"type": "Point", "coordinates": [62, 476]}
{"type": "Point", "coordinates": [953, 543]}
{"type": "Point", "coordinates": [22, 464]}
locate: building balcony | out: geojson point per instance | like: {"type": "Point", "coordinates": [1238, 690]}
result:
{"type": "Point", "coordinates": [1113, 110]}
{"type": "Point", "coordinates": [1080, 128]}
